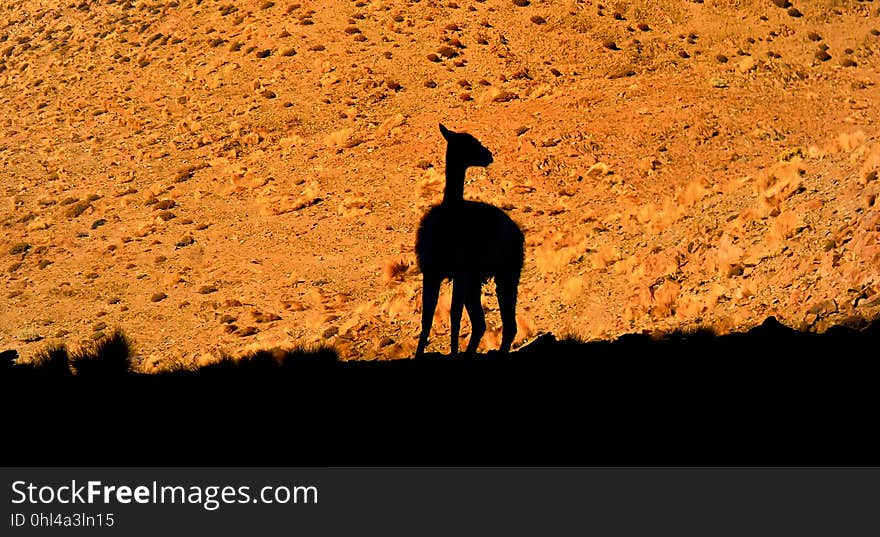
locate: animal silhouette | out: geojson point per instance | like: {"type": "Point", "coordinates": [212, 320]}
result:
{"type": "Point", "coordinates": [468, 242]}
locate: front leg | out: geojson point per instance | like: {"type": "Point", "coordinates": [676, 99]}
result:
{"type": "Point", "coordinates": [430, 293]}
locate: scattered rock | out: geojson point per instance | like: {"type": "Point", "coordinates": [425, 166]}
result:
{"type": "Point", "coordinates": [622, 72]}
{"type": "Point", "coordinates": [498, 95]}
{"type": "Point", "coordinates": [823, 308]}
{"type": "Point", "coordinates": [19, 248]}
{"type": "Point", "coordinates": [77, 208]}
{"type": "Point", "coordinates": [260, 317]}
{"type": "Point", "coordinates": [246, 331]}
{"type": "Point", "coordinates": [158, 297]}
{"type": "Point", "coordinates": [598, 169]}
{"type": "Point", "coordinates": [446, 52]}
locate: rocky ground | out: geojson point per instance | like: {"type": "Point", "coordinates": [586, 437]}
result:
{"type": "Point", "coordinates": [218, 176]}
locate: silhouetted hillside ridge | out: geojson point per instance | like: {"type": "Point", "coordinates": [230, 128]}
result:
{"type": "Point", "coordinates": [772, 395]}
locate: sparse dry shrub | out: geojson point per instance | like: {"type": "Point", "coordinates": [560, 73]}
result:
{"type": "Point", "coordinates": [645, 213]}
{"type": "Point", "coordinates": [692, 193]}
{"type": "Point", "coordinates": [672, 211]}
{"type": "Point", "coordinates": [271, 204]}
{"type": "Point", "coordinates": [394, 270]}
{"type": "Point", "coordinates": [403, 304]}
{"type": "Point", "coordinates": [870, 166]}
{"type": "Point", "coordinates": [654, 266]}
{"type": "Point", "coordinates": [606, 256]}
{"type": "Point", "coordinates": [632, 312]}
{"type": "Point", "coordinates": [778, 184]}
{"type": "Point", "coordinates": [665, 298]}
{"type": "Point", "coordinates": [744, 291]}
{"type": "Point", "coordinates": [342, 139]}
{"type": "Point", "coordinates": [849, 141]}
{"type": "Point", "coordinates": [387, 127]}
{"type": "Point", "coordinates": [628, 266]}
{"type": "Point", "coordinates": [729, 255]}
{"type": "Point", "coordinates": [645, 298]}
{"type": "Point", "coordinates": [654, 218]}
{"type": "Point", "coordinates": [431, 183]}
{"type": "Point", "coordinates": [690, 306]}
{"type": "Point", "coordinates": [784, 226]}
{"type": "Point", "coordinates": [559, 249]}
{"type": "Point", "coordinates": [572, 288]}
{"type": "Point", "coordinates": [355, 206]}
{"type": "Point", "coordinates": [287, 143]}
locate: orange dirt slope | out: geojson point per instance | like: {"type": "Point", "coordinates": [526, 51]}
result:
{"type": "Point", "coordinates": [219, 176]}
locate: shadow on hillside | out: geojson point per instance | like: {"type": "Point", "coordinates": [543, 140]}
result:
{"type": "Point", "coordinates": [772, 396]}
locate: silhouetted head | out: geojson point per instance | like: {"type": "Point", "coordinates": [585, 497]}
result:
{"type": "Point", "coordinates": [466, 149]}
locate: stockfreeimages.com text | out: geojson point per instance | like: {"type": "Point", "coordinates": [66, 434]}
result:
{"type": "Point", "coordinates": [210, 497]}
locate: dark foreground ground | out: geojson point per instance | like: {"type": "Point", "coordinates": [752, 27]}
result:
{"type": "Point", "coordinates": [773, 396]}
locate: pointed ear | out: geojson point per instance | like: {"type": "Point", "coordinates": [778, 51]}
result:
{"type": "Point", "coordinates": [444, 131]}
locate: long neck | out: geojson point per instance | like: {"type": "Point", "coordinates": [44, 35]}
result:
{"type": "Point", "coordinates": [455, 170]}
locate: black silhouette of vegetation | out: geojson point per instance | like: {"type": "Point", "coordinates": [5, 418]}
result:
{"type": "Point", "coordinates": [468, 242]}
{"type": "Point", "coordinates": [52, 361]}
{"type": "Point", "coordinates": [107, 357]}
{"type": "Point", "coordinates": [771, 396]}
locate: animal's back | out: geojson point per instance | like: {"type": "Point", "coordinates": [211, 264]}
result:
{"type": "Point", "coordinates": [469, 237]}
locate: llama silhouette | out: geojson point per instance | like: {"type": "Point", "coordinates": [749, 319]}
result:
{"type": "Point", "coordinates": [468, 242]}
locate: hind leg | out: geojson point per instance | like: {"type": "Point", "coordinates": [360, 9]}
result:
{"type": "Point", "coordinates": [459, 290]}
{"type": "Point", "coordinates": [430, 293]}
{"type": "Point", "coordinates": [507, 290]}
{"type": "Point", "coordinates": [475, 313]}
